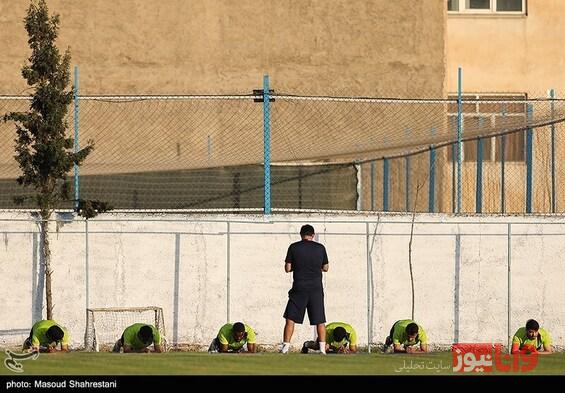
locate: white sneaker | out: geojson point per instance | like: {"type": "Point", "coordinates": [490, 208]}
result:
{"type": "Point", "coordinates": [284, 349]}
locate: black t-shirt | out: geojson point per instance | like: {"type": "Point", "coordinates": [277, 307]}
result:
{"type": "Point", "coordinates": [307, 258]}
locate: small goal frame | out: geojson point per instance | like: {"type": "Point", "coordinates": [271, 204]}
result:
{"type": "Point", "coordinates": [92, 342]}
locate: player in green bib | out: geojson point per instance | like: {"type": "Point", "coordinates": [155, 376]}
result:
{"type": "Point", "coordinates": [233, 338]}
{"type": "Point", "coordinates": [45, 335]}
{"type": "Point", "coordinates": [137, 338]}
{"type": "Point", "coordinates": [340, 338]}
{"type": "Point", "coordinates": [532, 339]}
{"type": "Point", "coordinates": [404, 337]}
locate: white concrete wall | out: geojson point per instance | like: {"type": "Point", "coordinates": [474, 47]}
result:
{"type": "Point", "coordinates": [135, 260]}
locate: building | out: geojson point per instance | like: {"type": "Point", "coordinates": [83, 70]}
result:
{"type": "Point", "coordinates": [361, 48]}
{"type": "Point", "coordinates": [508, 50]}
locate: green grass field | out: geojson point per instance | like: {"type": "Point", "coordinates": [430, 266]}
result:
{"type": "Point", "coordinates": [190, 363]}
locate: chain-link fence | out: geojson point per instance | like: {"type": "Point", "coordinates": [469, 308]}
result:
{"type": "Point", "coordinates": [325, 152]}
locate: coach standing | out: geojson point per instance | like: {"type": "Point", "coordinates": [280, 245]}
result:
{"type": "Point", "coordinates": [307, 260]}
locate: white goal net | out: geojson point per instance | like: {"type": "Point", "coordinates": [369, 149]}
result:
{"type": "Point", "coordinates": [104, 326]}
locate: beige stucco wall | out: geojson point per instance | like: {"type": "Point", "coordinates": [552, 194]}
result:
{"type": "Point", "coordinates": [500, 53]}
{"type": "Point", "coordinates": [511, 54]}
{"type": "Point", "coordinates": [369, 47]}
{"type": "Point", "coordinates": [346, 47]}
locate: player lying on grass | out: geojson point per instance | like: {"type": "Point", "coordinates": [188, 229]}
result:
{"type": "Point", "coordinates": [404, 337]}
{"type": "Point", "coordinates": [234, 338]}
{"type": "Point", "coordinates": [45, 335]}
{"type": "Point", "coordinates": [137, 338]}
{"type": "Point", "coordinates": [340, 338]}
{"type": "Point", "coordinates": [532, 339]}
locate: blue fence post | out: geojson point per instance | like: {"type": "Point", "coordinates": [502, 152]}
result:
{"type": "Point", "coordinates": [266, 146]}
{"type": "Point", "coordinates": [529, 161]}
{"type": "Point", "coordinates": [359, 170]}
{"type": "Point", "coordinates": [553, 188]}
{"type": "Point", "coordinates": [373, 185]}
{"type": "Point", "coordinates": [432, 183]}
{"type": "Point", "coordinates": [407, 185]}
{"type": "Point", "coordinates": [503, 167]}
{"type": "Point", "coordinates": [385, 184]}
{"type": "Point", "coordinates": [453, 178]}
{"type": "Point", "coordinates": [479, 185]}
{"type": "Point", "coordinates": [459, 136]}
{"type": "Point", "coordinates": [76, 142]}
{"type": "Point", "coordinates": [502, 173]}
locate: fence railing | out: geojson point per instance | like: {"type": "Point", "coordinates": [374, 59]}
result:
{"type": "Point", "coordinates": [270, 150]}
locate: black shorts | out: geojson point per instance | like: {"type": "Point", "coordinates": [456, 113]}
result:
{"type": "Point", "coordinates": [301, 300]}
{"type": "Point", "coordinates": [118, 345]}
{"type": "Point", "coordinates": [28, 341]}
{"type": "Point", "coordinates": [215, 347]}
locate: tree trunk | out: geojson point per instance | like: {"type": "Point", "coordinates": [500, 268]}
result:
{"type": "Point", "coordinates": [420, 185]}
{"type": "Point", "coordinates": [46, 252]}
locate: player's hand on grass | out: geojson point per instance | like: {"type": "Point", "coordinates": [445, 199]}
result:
{"type": "Point", "coordinates": [343, 349]}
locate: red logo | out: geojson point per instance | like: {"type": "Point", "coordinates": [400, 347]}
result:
{"type": "Point", "coordinates": [480, 358]}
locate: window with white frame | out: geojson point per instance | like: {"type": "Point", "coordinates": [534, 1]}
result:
{"type": "Point", "coordinates": [487, 6]}
{"type": "Point", "coordinates": [483, 111]}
